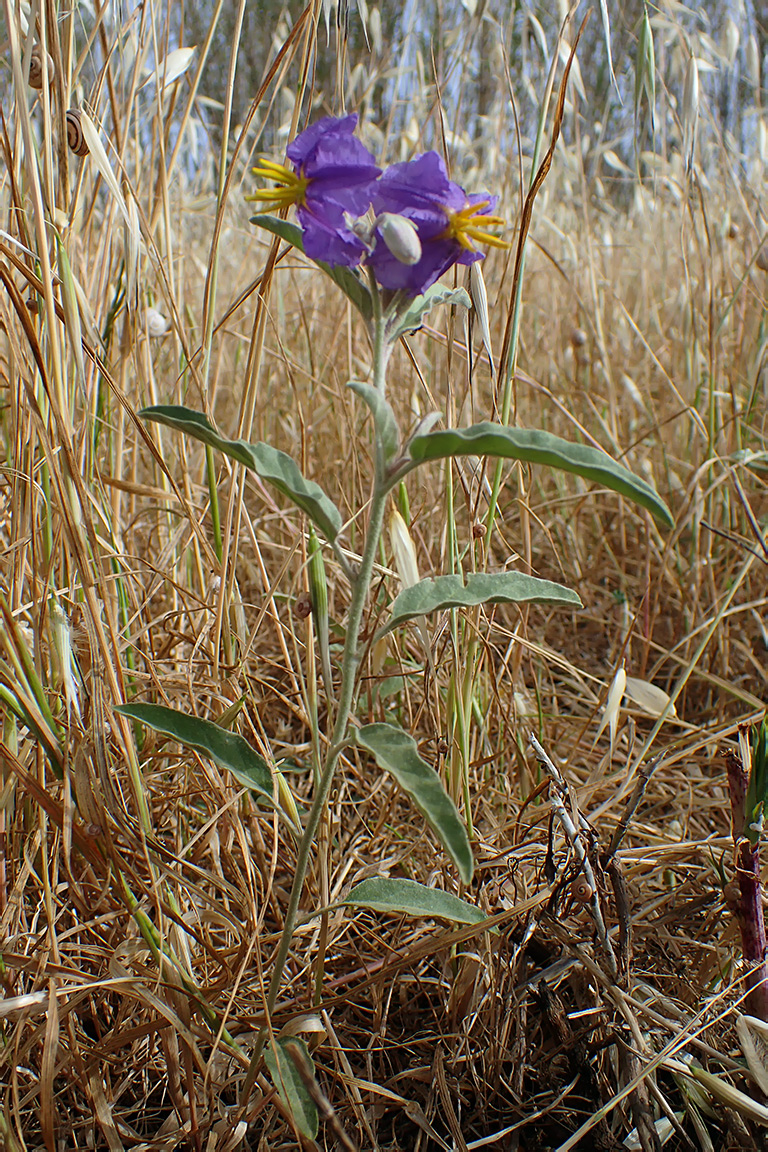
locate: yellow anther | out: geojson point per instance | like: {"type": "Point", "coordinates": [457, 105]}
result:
{"type": "Point", "coordinates": [469, 227]}
{"type": "Point", "coordinates": [291, 188]}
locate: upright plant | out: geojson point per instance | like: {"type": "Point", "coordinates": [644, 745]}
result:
{"type": "Point", "coordinates": [385, 239]}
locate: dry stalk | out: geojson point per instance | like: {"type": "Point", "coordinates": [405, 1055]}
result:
{"type": "Point", "coordinates": [557, 791]}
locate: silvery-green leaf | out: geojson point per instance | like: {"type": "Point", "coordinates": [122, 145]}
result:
{"type": "Point", "coordinates": [537, 447]}
{"type": "Point", "coordinates": [290, 1085]}
{"type": "Point", "coordinates": [439, 592]}
{"type": "Point", "coordinates": [413, 317]}
{"type": "Point", "coordinates": [396, 752]}
{"type": "Point", "coordinates": [272, 465]}
{"type": "Point", "coordinates": [384, 417]}
{"type": "Point", "coordinates": [413, 899]}
{"type": "Point", "coordinates": [227, 749]}
{"type": "Point", "coordinates": [349, 282]}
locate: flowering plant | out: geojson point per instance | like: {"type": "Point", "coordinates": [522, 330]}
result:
{"type": "Point", "coordinates": [384, 238]}
{"type": "Point", "coordinates": [423, 222]}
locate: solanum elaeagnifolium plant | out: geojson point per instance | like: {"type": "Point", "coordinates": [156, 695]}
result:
{"type": "Point", "coordinates": [385, 238]}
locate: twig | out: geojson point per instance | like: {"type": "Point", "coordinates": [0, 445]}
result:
{"type": "Point", "coordinates": [577, 845]}
{"type": "Point", "coordinates": [644, 773]}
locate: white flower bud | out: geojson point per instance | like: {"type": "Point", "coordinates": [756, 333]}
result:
{"type": "Point", "coordinates": [400, 236]}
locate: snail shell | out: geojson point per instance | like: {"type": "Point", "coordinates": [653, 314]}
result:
{"type": "Point", "coordinates": [303, 605]}
{"type": "Point", "coordinates": [36, 67]}
{"type": "Point", "coordinates": [581, 890]}
{"type": "Point", "coordinates": [75, 136]}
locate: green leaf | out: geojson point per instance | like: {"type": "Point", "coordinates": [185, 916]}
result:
{"type": "Point", "coordinates": [438, 592]}
{"type": "Point", "coordinates": [276, 467]}
{"type": "Point", "coordinates": [395, 751]}
{"type": "Point", "coordinates": [413, 317]}
{"type": "Point", "coordinates": [290, 1086]}
{"type": "Point", "coordinates": [539, 447]}
{"type": "Point", "coordinates": [383, 416]}
{"type": "Point", "coordinates": [757, 790]}
{"type": "Point", "coordinates": [344, 278]}
{"type": "Point", "coordinates": [406, 896]}
{"type": "Point", "coordinates": [227, 749]}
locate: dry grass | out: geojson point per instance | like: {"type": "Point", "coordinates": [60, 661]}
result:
{"type": "Point", "coordinates": [644, 331]}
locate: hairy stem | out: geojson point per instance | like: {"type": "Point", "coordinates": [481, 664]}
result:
{"type": "Point", "coordinates": [345, 704]}
{"type": "Point", "coordinates": [749, 907]}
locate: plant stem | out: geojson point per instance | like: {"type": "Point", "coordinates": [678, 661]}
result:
{"type": "Point", "coordinates": [338, 740]}
{"type": "Point", "coordinates": [349, 669]}
{"type": "Point", "coordinates": [749, 907]}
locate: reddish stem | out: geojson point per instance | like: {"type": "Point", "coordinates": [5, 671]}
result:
{"type": "Point", "coordinates": [749, 908]}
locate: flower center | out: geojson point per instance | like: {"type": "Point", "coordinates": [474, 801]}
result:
{"type": "Point", "coordinates": [469, 227]}
{"type": "Point", "coordinates": [291, 187]}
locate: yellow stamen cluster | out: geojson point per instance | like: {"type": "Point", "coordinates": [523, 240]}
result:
{"type": "Point", "coordinates": [469, 227]}
{"type": "Point", "coordinates": [291, 188]}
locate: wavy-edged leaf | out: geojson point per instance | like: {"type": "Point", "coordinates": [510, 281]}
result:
{"type": "Point", "coordinates": [413, 317]}
{"type": "Point", "coordinates": [384, 417]}
{"type": "Point", "coordinates": [344, 278]}
{"type": "Point", "coordinates": [439, 592]}
{"type": "Point", "coordinates": [538, 447]}
{"type": "Point", "coordinates": [227, 749]}
{"type": "Point", "coordinates": [413, 899]}
{"type": "Point", "coordinates": [396, 752]}
{"type": "Point", "coordinates": [290, 1086]}
{"type": "Point", "coordinates": [272, 465]}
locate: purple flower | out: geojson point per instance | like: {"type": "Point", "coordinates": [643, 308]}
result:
{"type": "Point", "coordinates": [449, 223]}
{"type": "Point", "coordinates": [332, 174]}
